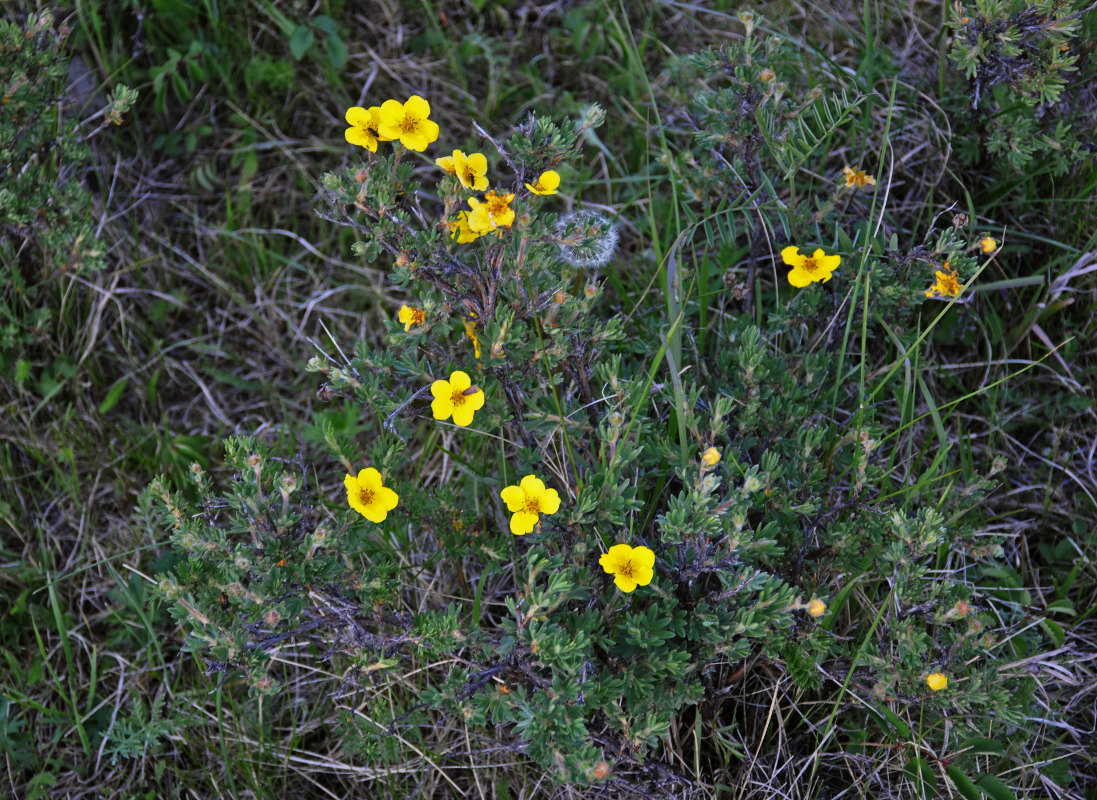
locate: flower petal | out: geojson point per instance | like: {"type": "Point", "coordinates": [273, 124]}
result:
{"type": "Point", "coordinates": [361, 138]}
{"type": "Point", "coordinates": [442, 408]}
{"type": "Point", "coordinates": [533, 486]}
{"type": "Point", "coordinates": [459, 381]}
{"type": "Point", "coordinates": [522, 523]}
{"type": "Point", "coordinates": [374, 512]}
{"type": "Point", "coordinates": [549, 502]}
{"type": "Point", "coordinates": [387, 498]}
{"type": "Point", "coordinates": [643, 558]}
{"type": "Point", "coordinates": [369, 479]}
{"type": "Point", "coordinates": [478, 162]}
{"type": "Point", "coordinates": [791, 256]}
{"type": "Point", "coordinates": [429, 129]}
{"type": "Point", "coordinates": [799, 278]}
{"type": "Point", "coordinates": [624, 583]}
{"type": "Point", "coordinates": [441, 389]}
{"type": "Point", "coordinates": [359, 117]}
{"type": "Point", "coordinates": [415, 141]}
{"type": "Point", "coordinates": [392, 114]}
{"type": "Point", "coordinates": [351, 482]}
{"type": "Point", "coordinates": [417, 106]}
{"type": "Point", "coordinates": [462, 415]}
{"type": "Point", "coordinates": [607, 563]}
{"type": "Point", "coordinates": [514, 497]}
{"type": "Point", "coordinates": [475, 401]}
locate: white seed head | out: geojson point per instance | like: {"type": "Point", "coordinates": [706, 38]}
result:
{"type": "Point", "coordinates": [586, 238]}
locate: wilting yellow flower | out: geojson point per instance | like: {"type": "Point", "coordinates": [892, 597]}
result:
{"type": "Point", "coordinates": [711, 457]}
{"type": "Point", "coordinates": [491, 213]}
{"type": "Point", "coordinates": [471, 170]}
{"type": "Point", "coordinates": [365, 123]}
{"type": "Point", "coordinates": [368, 497]}
{"type": "Point", "coordinates": [408, 122]}
{"type": "Point", "coordinates": [546, 184]}
{"type": "Point", "coordinates": [527, 501]}
{"type": "Point", "coordinates": [459, 229]}
{"type": "Point", "coordinates": [988, 245]}
{"type": "Point", "coordinates": [948, 284]}
{"type": "Point", "coordinates": [936, 681]}
{"type": "Point", "coordinates": [470, 331]}
{"type": "Point", "coordinates": [817, 608]}
{"type": "Point", "coordinates": [855, 179]}
{"type": "Point", "coordinates": [630, 566]}
{"type": "Point", "coordinates": [457, 398]}
{"type": "Point", "coordinates": [809, 269]}
{"type": "Point", "coordinates": [411, 316]}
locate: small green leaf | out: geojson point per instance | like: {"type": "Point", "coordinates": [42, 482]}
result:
{"type": "Point", "coordinates": [963, 783]}
{"type": "Point", "coordinates": [337, 52]}
{"type": "Point", "coordinates": [978, 744]}
{"type": "Point", "coordinates": [922, 774]}
{"type": "Point", "coordinates": [301, 41]}
{"type": "Point", "coordinates": [995, 789]}
{"type": "Point", "coordinates": [326, 24]}
{"type": "Point", "coordinates": [113, 396]}
{"type": "Point", "coordinates": [1054, 631]}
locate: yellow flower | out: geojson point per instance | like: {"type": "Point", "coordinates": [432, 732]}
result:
{"type": "Point", "coordinates": [855, 179]}
{"type": "Point", "coordinates": [411, 316]}
{"type": "Point", "coordinates": [809, 269]}
{"type": "Point", "coordinates": [948, 284]}
{"type": "Point", "coordinates": [491, 213]}
{"type": "Point", "coordinates": [368, 497]}
{"type": "Point", "coordinates": [817, 608]}
{"type": "Point", "coordinates": [408, 122]}
{"type": "Point", "coordinates": [459, 229]}
{"type": "Point", "coordinates": [711, 457]}
{"type": "Point", "coordinates": [936, 681]}
{"type": "Point", "coordinates": [527, 501]}
{"type": "Point", "coordinates": [988, 245]}
{"type": "Point", "coordinates": [630, 566]}
{"type": "Point", "coordinates": [456, 398]}
{"type": "Point", "coordinates": [365, 123]}
{"type": "Point", "coordinates": [546, 184]}
{"type": "Point", "coordinates": [471, 170]}
{"type": "Point", "coordinates": [470, 331]}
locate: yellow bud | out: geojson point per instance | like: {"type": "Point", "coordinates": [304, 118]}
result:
{"type": "Point", "coordinates": [936, 681]}
{"type": "Point", "coordinates": [817, 608]}
{"type": "Point", "coordinates": [988, 245]}
{"type": "Point", "coordinates": [711, 457]}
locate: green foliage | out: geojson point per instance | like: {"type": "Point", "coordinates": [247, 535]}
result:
{"type": "Point", "coordinates": [45, 232]}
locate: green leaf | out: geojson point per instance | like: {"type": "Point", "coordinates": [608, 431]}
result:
{"type": "Point", "coordinates": [923, 776]}
{"type": "Point", "coordinates": [979, 744]}
{"type": "Point", "coordinates": [995, 789]}
{"type": "Point", "coordinates": [337, 52]}
{"type": "Point", "coordinates": [113, 396]}
{"type": "Point", "coordinates": [963, 783]}
{"type": "Point", "coordinates": [1054, 631]}
{"type": "Point", "coordinates": [301, 41]}
{"type": "Point", "coordinates": [326, 24]}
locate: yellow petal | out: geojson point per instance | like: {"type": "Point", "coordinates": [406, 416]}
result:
{"type": "Point", "coordinates": [549, 502]}
{"type": "Point", "coordinates": [533, 486]}
{"type": "Point", "coordinates": [791, 256]}
{"type": "Point", "coordinates": [625, 584]}
{"type": "Point", "coordinates": [799, 278]}
{"type": "Point", "coordinates": [392, 114]}
{"type": "Point", "coordinates": [522, 523]}
{"type": "Point", "coordinates": [478, 163]}
{"type": "Point", "coordinates": [475, 401]}
{"type": "Point", "coordinates": [359, 117]}
{"type": "Point", "coordinates": [415, 141]}
{"type": "Point", "coordinates": [514, 497]}
{"type": "Point", "coordinates": [642, 559]}
{"type": "Point", "coordinates": [361, 138]}
{"type": "Point", "coordinates": [442, 408]}
{"type": "Point", "coordinates": [607, 563]}
{"type": "Point", "coordinates": [369, 479]}
{"type": "Point", "coordinates": [429, 129]}
{"type": "Point", "coordinates": [351, 483]}
{"type": "Point", "coordinates": [374, 513]}
{"type": "Point", "coordinates": [459, 381]}
{"type": "Point", "coordinates": [387, 498]}
{"type": "Point", "coordinates": [462, 416]}
{"type": "Point", "coordinates": [441, 389]}
{"type": "Point", "coordinates": [417, 106]}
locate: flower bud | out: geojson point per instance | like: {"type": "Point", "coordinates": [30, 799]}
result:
{"type": "Point", "coordinates": [936, 681]}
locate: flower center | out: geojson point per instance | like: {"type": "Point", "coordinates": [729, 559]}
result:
{"type": "Point", "coordinates": [409, 124]}
{"type": "Point", "coordinates": [470, 175]}
{"type": "Point", "coordinates": [365, 496]}
{"type": "Point", "coordinates": [532, 506]}
{"type": "Point", "coordinates": [809, 266]}
{"type": "Point", "coordinates": [625, 569]}
{"type": "Point", "coordinates": [457, 398]}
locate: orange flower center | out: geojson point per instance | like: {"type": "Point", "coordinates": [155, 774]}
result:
{"type": "Point", "coordinates": [365, 496]}
{"type": "Point", "coordinates": [469, 175]}
{"type": "Point", "coordinates": [809, 266]}
{"type": "Point", "coordinates": [497, 204]}
{"type": "Point", "coordinates": [625, 568]}
{"type": "Point", "coordinates": [457, 398]}
{"type": "Point", "coordinates": [409, 124]}
{"type": "Point", "coordinates": [532, 506]}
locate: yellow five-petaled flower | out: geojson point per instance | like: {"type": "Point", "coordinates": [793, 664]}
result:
{"type": "Point", "coordinates": [630, 566]}
{"type": "Point", "coordinates": [492, 212]}
{"type": "Point", "coordinates": [365, 127]}
{"type": "Point", "coordinates": [368, 497]}
{"type": "Point", "coordinates": [936, 681]}
{"type": "Point", "coordinates": [547, 183]}
{"type": "Point", "coordinates": [411, 316]}
{"type": "Point", "coordinates": [809, 269]}
{"type": "Point", "coordinates": [988, 245]}
{"type": "Point", "coordinates": [527, 501]}
{"type": "Point", "coordinates": [856, 178]}
{"type": "Point", "coordinates": [711, 457]}
{"type": "Point", "coordinates": [948, 283]}
{"type": "Point", "coordinates": [456, 398]}
{"type": "Point", "coordinates": [408, 122]}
